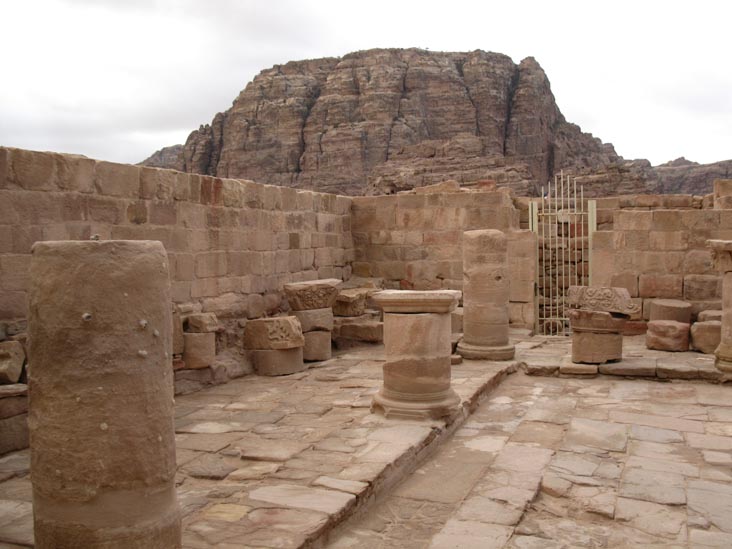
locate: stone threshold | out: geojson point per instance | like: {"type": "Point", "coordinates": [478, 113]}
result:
{"type": "Point", "coordinates": [637, 362]}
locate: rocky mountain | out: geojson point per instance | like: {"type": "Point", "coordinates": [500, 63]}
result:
{"type": "Point", "coordinates": [384, 120]}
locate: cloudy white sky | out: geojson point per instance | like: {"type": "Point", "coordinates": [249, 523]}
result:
{"type": "Point", "coordinates": [119, 79]}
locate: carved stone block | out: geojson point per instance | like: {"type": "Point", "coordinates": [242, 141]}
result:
{"type": "Point", "coordinates": [280, 332]}
{"type": "Point", "coordinates": [312, 294]}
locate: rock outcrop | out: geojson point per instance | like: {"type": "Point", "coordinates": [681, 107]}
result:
{"type": "Point", "coordinates": [385, 120]}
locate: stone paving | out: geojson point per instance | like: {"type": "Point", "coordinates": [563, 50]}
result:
{"type": "Point", "coordinates": [277, 462]}
{"type": "Point", "coordinates": [542, 462]}
{"type": "Point", "coordinates": [553, 462]}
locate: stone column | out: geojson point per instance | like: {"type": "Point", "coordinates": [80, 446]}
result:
{"type": "Point", "coordinates": [597, 318]}
{"type": "Point", "coordinates": [417, 339]}
{"type": "Point", "coordinates": [485, 296]}
{"type": "Point", "coordinates": [722, 255]}
{"type": "Point", "coordinates": [312, 303]}
{"type": "Point", "coordinates": [101, 396]}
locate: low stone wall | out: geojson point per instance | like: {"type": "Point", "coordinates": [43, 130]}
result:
{"type": "Point", "coordinates": [414, 241]}
{"type": "Point", "coordinates": [662, 254]}
{"type": "Point", "coordinates": [232, 244]}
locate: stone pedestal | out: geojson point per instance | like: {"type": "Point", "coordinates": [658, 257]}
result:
{"type": "Point", "coordinates": [598, 319]}
{"type": "Point", "coordinates": [722, 256]}
{"type": "Point", "coordinates": [417, 339]}
{"type": "Point", "coordinates": [596, 336]}
{"type": "Point", "coordinates": [276, 344]}
{"type": "Point", "coordinates": [312, 302]}
{"type": "Point", "coordinates": [101, 396]}
{"type": "Point", "coordinates": [485, 296]}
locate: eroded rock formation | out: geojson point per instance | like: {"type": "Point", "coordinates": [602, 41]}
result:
{"type": "Point", "coordinates": [385, 120]}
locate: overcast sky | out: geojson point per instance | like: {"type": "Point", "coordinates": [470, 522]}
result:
{"type": "Point", "coordinates": [119, 79]}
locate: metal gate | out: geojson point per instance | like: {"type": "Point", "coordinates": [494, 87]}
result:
{"type": "Point", "coordinates": [564, 223]}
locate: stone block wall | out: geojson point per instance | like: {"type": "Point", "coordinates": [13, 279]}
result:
{"type": "Point", "coordinates": [414, 241]}
{"type": "Point", "coordinates": [232, 244]}
{"type": "Point", "coordinates": [662, 254]}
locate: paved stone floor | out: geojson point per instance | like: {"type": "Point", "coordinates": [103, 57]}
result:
{"type": "Point", "coordinates": [277, 462]}
{"type": "Point", "coordinates": [543, 461]}
{"type": "Point", "coordinates": [551, 462]}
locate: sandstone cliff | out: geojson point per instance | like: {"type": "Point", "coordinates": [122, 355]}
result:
{"type": "Point", "coordinates": [385, 120]}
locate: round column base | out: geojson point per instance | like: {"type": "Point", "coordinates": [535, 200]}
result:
{"type": "Point", "coordinates": [397, 405]}
{"type": "Point", "coordinates": [479, 352]}
{"type": "Point", "coordinates": [723, 365]}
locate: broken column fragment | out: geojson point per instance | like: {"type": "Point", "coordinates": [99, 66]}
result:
{"type": "Point", "coordinates": [722, 256]}
{"type": "Point", "coordinates": [276, 344]}
{"type": "Point", "coordinates": [312, 303]}
{"type": "Point", "coordinates": [417, 340]}
{"type": "Point", "coordinates": [102, 448]}
{"type": "Point", "coordinates": [485, 296]}
{"type": "Point", "coordinates": [597, 318]}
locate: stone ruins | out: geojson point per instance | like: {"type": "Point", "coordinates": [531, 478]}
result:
{"type": "Point", "coordinates": [194, 361]}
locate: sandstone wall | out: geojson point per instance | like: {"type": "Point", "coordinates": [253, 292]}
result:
{"type": "Point", "coordinates": [414, 241]}
{"type": "Point", "coordinates": [232, 244]}
{"type": "Point", "coordinates": [661, 253]}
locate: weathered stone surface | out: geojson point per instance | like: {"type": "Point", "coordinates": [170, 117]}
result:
{"type": "Point", "coordinates": [12, 406]}
{"type": "Point", "coordinates": [366, 330]}
{"type": "Point", "coordinates": [588, 433]}
{"type": "Point", "coordinates": [576, 368]}
{"type": "Point", "coordinates": [263, 449]}
{"type": "Point", "coordinates": [12, 357]}
{"type": "Point", "coordinates": [278, 362]}
{"type": "Point", "coordinates": [667, 335]}
{"type": "Point", "coordinates": [486, 290]}
{"type": "Point", "coordinates": [710, 314]}
{"type": "Point", "coordinates": [671, 309]}
{"type": "Point", "coordinates": [721, 254]}
{"type": "Point", "coordinates": [13, 433]}
{"type": "Point", "coordinates": [178, 341]}
{"type": "Point", "coordinates": [202, 323]}
{"type": "Point", "coordinates": [312, 294]}
{"type": "Point", "coordinates": [332, 502]}
{"type": "Point", "coordinates": [351, 301]}
{"type": "Point", "coordinates": [13, 390]}
{"type": "Point", "coordinates": [644, 367]}
{"type": "Point", "coordinates": [199, 350]}
{"type": "Point", "coordinates": [100, 326]}
{"type": "Point", "coordinates": [281, 332]}
{"type": "Point", "coordinates": [417, 371]}
{"type": "Point", "coordinates": [610, 300]}
{"type": "Point", "coordinates": [706, 336]}
{"type": "Point", "coordinates": [585, 320]}
{"type": "Point", "coordinates": [409, 301]}
{"type": "Point", "coordinates": [317, 346]}
{"type": "Point", "coordinates": [315, 319]}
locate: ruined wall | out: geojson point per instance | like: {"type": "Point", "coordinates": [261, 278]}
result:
{"type": "Point", "coordinates": [232, 244]}
{"type": "Point", "coordinates": [414, 241]}
{"type": "Point", "coordinates": [662, 253]}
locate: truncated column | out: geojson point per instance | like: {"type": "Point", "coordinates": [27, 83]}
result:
{"type": "Point", "coordinates": [417, 339]}
{"type": "Point", "coordinates": [101, 396]}
{"type": "Point", "coordinates": [485, 296]}
{"type": "Point", "coordinates": [722, 255]}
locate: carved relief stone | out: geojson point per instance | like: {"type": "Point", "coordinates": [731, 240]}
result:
{"type": "Point", "coordinates": [312, 294]}
{"type": "Point", "coordinates": [610, 300]}
{"type": "Point", "coordinates": [281, 332]}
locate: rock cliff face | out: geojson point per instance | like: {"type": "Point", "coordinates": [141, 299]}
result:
{"type": "Point", "coordinates": [381, 121]}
